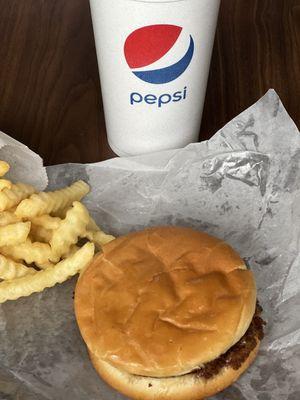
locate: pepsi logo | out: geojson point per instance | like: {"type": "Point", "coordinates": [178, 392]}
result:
{"type": "Point", "coordinates": [147, 49]}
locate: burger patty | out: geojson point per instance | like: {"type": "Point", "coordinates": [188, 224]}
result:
{"type": "Point", "coordinates": [236, 355]}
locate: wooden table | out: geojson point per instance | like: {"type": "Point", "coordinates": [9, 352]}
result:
{"type": "Point", "coordinates": [49, 87]}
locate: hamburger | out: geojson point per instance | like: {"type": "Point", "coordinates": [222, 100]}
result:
{"type": "Point", "coordinates": [169, 313]}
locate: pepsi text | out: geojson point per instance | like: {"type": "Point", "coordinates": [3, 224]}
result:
{"type": "Point", "coordinates": [158, 100]}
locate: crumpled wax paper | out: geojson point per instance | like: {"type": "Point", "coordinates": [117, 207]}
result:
{"type": "Point", "coordinates": [26, 166]}
{"type": "Point", "coordinates": [243, 185]}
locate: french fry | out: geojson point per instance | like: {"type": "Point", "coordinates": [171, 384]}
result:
{"type": "Point", "coordinates": [51, 202]}
{"type": "Point", "coordinates": [14, 234]}
{"type": "Point", "coordinates": [61, 213]}
{"type": "Point", "coordinates": [13, 196]}
{"type": "Point", "coordinates": [46, 221]}
{"type": "Point", "coordinates": [43, 229]}
{"type": "Point", "coordinates": [45, 265]}
{"type": "Point", "coordinates": [72, 250]}
{"type": "Point", "coordinates": [25, 286]}
{"type": "Point", "coordinates": [5, 184]}
{"type": "Point", "coordinates": [30, 252]}
{"type": "Point", "coordinates": [40, 234]}
{"type": "Point", "coordinates": [8, 217]}
{"type": "Point", "coordinates": [10, 269]}
{"type": "Point", "coordinates": [70, 229]}
{"type": "Point", "coordinates": [4, 168]}
{"type": "Point", "coordinates": [92, 226]}
{"type": "Point", "coordinates": [99, 238]}
{"type": "Point", "coordinates": [12, 210]}
{"type": "Point", "coordinates": [96, 235]}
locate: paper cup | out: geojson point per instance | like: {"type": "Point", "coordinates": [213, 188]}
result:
{"type": "Point", "coordinates": [154, 59]}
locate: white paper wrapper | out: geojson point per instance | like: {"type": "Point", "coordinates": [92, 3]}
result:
{"type": "Point", "coordinates": [26, 166]}
{"type": "Point", "coordinates": [243, 185]}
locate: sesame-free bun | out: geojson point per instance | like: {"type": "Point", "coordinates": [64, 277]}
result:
{"type": "Point", "coordinates": [185, 387]}
{"type": "Point", "coordinates": [163, 301]}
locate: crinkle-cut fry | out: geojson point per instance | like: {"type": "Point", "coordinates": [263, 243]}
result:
{"type": "Point", "coordinates": [4, 168]}
{"type": "Point", "coordinates": [10, 269]}
{"type": "Point", "coordinates": [45, 265]}
{"type": "Point", "coordinates": [96, 235]}
{"type": "Point", "coordinates": [40, 234]}
{"type": "Point", "coordinates": [61, 213]}
{"type": "Point", "coordinates": [46, 221]}
{"type": "Point", "coordinates": [8, 217]}
{"type": "Point", "coordinates": [70, 229]}
{"type": "Point", "coordinates": [13, 196]}
{"type": "Point", "coordinates": [99, 238]}
{"type": "Point", "coordinates": [5, 184]}
{"type": "Point", "coordinates": [14, 234]}
{"type": "Point", "coordinates": [30, 252]}
{"type": "Point", "coordinates": [25, 286]}
{"type": "Point", "coordinates": [12, 210]}
{"type": "Point", "coordinates": [92, 226]}
{"type": "Point", "coordinates": [72, 250]}
{"type": "Point", "coordinates": [51, 202]}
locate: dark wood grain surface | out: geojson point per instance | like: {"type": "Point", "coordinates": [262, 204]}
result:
{"type": "Point", "coordinates": [49, 87]}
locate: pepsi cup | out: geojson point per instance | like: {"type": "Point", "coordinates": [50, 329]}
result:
{"type": "Point", "coordinates": [154, 58]}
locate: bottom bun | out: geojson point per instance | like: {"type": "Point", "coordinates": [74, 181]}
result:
{"type": "Point", "coordinates": [185, 387]}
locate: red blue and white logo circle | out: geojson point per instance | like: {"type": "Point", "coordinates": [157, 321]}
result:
{"type": "Point", "coordinates": [151, 51]}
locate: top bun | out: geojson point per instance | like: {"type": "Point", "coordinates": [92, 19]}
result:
{"type": "Point", "coordinates": [163, 301]}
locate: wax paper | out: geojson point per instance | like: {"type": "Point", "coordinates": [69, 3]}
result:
{"type": "Point", "coordinates": [243, 185]}
{"type": "Point", "coordinates": [26, 166]}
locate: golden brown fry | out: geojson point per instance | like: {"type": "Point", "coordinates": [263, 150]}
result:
{"type": "Point", "coordinates": [8, 217]}
{"type": "Point", "coordinates": [10, 269]}
{"type": "Point", "coordinates": [30, 252]}
{"type": "Point", "coordinates": [13, 196]}
{"type": "Point", "coordinates": [25, 286]}
{"type": "Point", "coordinates": [4, 167]}
{"type": "Point", "coordinates": [45, 265]}
{"type": "Point", "coordinates": [14, 234]}
{"type": "Point", "coordinates": [92, 226]}
{"type": "Point", "coordinates": [12, 210]}
{"type": "Point", "coordinates": [99, 238]}
{"type": "Point", "coordinates": [70, 229]}
{"type": "Point", "coordinates": [72, 250]}
{"type": "Point", "coordinates": [51, 202]}
{"type": "Point", "coordinates": [5, 184]}
{"type": "Point", "coordinates": [61, 213]}
{"type": "Point", "coordinates": [40, 234]}
{"type": "Point", "coordinates": [46, 221]}
{"type": "Point", "coordinates": [96, 235]}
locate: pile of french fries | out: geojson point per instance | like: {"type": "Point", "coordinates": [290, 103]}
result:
{"type": "Point", "coordinates": [40, 235]}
